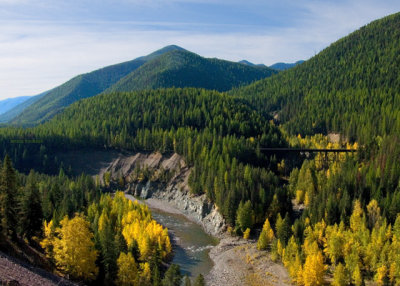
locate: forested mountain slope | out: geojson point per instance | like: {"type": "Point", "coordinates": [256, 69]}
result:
{"type": "Point", "coordinates": [171, 66]}
{"type": "Point", "coordinates": [81, 86]}
{"type": "Point", "coordinates": [351, 87]}
{"type": "Point", "coordinates": [180, 68]}
{"type": "Point", "coordinates": [217, 134]}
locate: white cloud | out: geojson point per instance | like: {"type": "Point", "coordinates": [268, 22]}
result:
{"type": "Point", "coordinates": [38, 55]}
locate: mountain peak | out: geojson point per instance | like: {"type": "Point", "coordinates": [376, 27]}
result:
{"type": "Point", "coordinates": [164, 50]}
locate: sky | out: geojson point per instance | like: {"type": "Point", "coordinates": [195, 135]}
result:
{"type": "Point", "coordinates": [44, 43]}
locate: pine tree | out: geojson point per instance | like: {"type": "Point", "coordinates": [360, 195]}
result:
{"type": "Point", "coordinates": [283, 229]}
{"type": "Point", "coordinates": [31, 209]}
{"type": "Point", "coordinates": [8, 190]}
{"type": "Point", "coordinates": [200, 280]}
{"type": "Point", "coordinates": [244, 216]}
{"type": "Point", "coordinates": [187, 281]}
{"type": "Point", "coordinates": [172, 276]}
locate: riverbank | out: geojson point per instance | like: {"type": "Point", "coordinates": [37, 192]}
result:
{"type": "Point", "coordinates": [237, 262]}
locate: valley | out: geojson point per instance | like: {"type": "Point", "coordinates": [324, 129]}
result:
{"type": "Point", "coordinates": [170, 166]}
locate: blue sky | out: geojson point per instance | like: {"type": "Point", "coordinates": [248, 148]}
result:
{"type": "Point", "coordinates": [43, 43]}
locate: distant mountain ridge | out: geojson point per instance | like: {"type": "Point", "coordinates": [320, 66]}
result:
{"type": "Point", "coordinates": [285, 66]}
{"type": "Point", "coordinates": [245, 62]}
{"type": "Point", "coordinates": [181, 68]}
{"type": "Point", "coordinates": [171, 66]}
{"type": "Point", "coordinates": [16, 110]}
{"type": "Point", "coordinates": [9, 103]}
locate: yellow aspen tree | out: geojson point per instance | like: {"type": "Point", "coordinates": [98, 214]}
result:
{"type": "Point", "coordinates": [266, 236]}
{"type": "Point", "coordinates": [145, 276]}
{"type": "Point", "coordinates": [314, 270]}
{"type": "Point", "coordinates": [127, 270]}
{"type": "Point", "coordinates": [297, 270]}
{"type": "Point", "coordinates": [381, 275]}
{"type": "Point", "coordinates": [340, 277]}
{"type": "Point", "coordinates": [74, 251]}
{"type": "Point", "coordinates": [246, 234]}
{"type": "Point", "coordinates": [357, 277]}
{"type": "Point", "coordinates": [356, 217]}
{"type": "Point", "coordinates": [48, 242]}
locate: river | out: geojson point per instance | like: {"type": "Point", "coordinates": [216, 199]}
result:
{"type": "Point", "coordinates": [191, 244]}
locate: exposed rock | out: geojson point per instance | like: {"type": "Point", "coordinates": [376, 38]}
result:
{"type": "Point", "coordinates": [175, 191]}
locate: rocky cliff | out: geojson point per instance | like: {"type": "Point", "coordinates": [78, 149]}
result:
{"type": "Point", "coordinates": [165, 178]}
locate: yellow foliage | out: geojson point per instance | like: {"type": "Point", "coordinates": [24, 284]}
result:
{"type": "Point", "coordinates": [357, 277]}
{"type": "Point", "coordinates": [48, 241]}
{"type": "Point", "coordinates": [145, 276]}
{"type": "Point", "coordinates": [314, 270]}
{"type": "Point", "coordinates": [340, 276]}
{"type": "Point", "coordinates": [299, 196]}
{"type": "Point", "coordinates": [137, 226]}
{"type": "Point", "coordinates": [74, 250]}
{"type": "Point", "coordinates": [127, 270]}
{"type": "Point", "coordinates": [381, 275]}
{"type": "Point", "coordinates": [335, 239]}
{"type": "Point", "coordinates": [356, 217]}
{"type": "Point", "coordinates": [266, 236]}
{"type": "Point", "coordinates": [246, 234]}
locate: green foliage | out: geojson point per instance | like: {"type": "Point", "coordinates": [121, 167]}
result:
{"type": "Point", "coordinates": [169, 67]}
{"type": "Point", "coordinates": [283, 229]}
{"type": "Point", "coordinates": [351, 87]}
{"type": "Point", "coordinates": [8, 195]}
{"type": "Point", "coordinates": [199, 280]}
{"type": "Point", "coordinates": [218, 135]}
{"type": "Point", "coordinates": [172, 277]}
{"type": "Point", "coordinates": [31, 214]}
{"type": "Point", "coordinates": [181, 68]}
{"type": "Point", "coordinates": [245, 216]}
{"type": "Point", "coordinates": [187, 281]}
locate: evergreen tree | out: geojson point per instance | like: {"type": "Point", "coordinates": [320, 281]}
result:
{"type": "Point", "coordinates": [8, 189]}
{"type": "Point", "coordinates": [31, 209]}
{"type": "Point", "coordinates": [172, 277]}
{"type": "Point", "coordinates": [283, 229]}
{"type": "Point", "coordinates": [200, 280]}
{"type": "Point", "coordinates": [244, 216]}
{"type": "Point", "coordinates": [187, 281]}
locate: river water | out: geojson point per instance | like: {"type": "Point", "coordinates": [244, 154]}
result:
{"type": "Point", "coordinates": [191, 244]}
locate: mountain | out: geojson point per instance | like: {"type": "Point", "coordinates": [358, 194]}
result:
{"type": "Point", "coordinates": [171, 66]}
{"type": "Point", "coordinates": [352, 87]}
{"type": "Point", "coordinates": [285, 66]}
{"type": "Point", "coordinates": [9, 103]}
{"type": "Point", "coordinates": [251, 64]}
{"type": "Point", "coordinates": [81, 86]}
{"type": "Point", "coordinates": [181, 68]}
{"type": "Point", "coordinates": [16, 110]}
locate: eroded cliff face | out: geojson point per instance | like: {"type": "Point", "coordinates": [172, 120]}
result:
{"type": "Point", "coordinates": [164, 178]}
